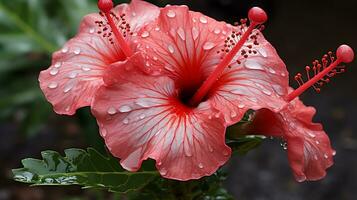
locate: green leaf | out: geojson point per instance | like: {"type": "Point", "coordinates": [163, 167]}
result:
{"type": "Point", "coordinates": [89, 169]}
{"type": "Point", "coordinates": [245, 144]}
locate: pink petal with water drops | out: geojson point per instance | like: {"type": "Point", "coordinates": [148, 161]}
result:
{"type": "Point", "coordinates": [308, 146]}
{"type": "Point", "coordinates": [77, 69]}
{"type": "Point", "coordinates": [141, 117]}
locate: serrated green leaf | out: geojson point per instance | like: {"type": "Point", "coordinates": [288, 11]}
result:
{"type": "Point", "coordinates": [89, 169]}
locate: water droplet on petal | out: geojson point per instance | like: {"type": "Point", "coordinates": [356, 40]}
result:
{"type": "Point", "coordinates": [312, 135]}
{"type": "Point", "coordinates": [133, 14]}
{"type": "Point", "coordinates": [104, 132]}
{"type": "Point", "coordinates": [325, 156]}
{"type": "Point", "coordinates": [262, 52]}
{"type": "Point", "coordinates": [315, 157]}
{"type": "Point", "coordinates": [195, 33]}
{"type": "Point", "coordinates": [171, 49]}
{"type": "Point", "coordinates": [333, 152]}
{"type": "Point", "coordinates": [58, 65]}
{"type": "Point", "coordinates": [86, 69]}
{"type": "Point", "coordinates": [278, 89]}
{"type": "Point", "coordinates": [301, 178]}
{"type": "Point", "coordinates": [142, 116]}
{"type": "Point", "coordinates": [200, 165]}
{"type": "Point", "coordinates": [68, 88]}
{"type": "Point", "coordinates": [317, 142]}
{"type": "Point", "coordinates": [233, 114]}
{"type": "Point", "coordinates": [145, 34]}
{"type": "Point", "coordinates": [283, 74]}
{"type": "Point", "coordinates": [126, 121]}
{"type": "Point", "coordinates": [225, 153]}
{"type": "Point", "coordinates": [91, 30]}
{"type": "Point", "coordinates": [210, 149]}
{"type": "Point", "coordinates": [112, 111]}
{"type": "Point", "coordinates": [54, 71]}
{"type": "Point", "coordinates": [125, 109]}
{"type": "Point", "coordinates": [53, 85]}
{"type": "Point", "coordinates": [65, 50]}
{"type": "Point", "coordinates": [72, 74]}
{"type": "Point", "coordinates": [208, 46]}
{"type": "Point", "coordinates": [159, 163]}
{"type": "Point", "coordinates": [241, 105]}
{"type": "Point", "coordinates": [181, 33]}
{"type": "Point", "coordinates": [163, 172]}
{"type": "Point", "coordinates": [272, 71]}
{"type": "Point", "coordinates": [77, 51]}
{"type": "Point", "coordinates": [251, 64]}
{"type": "Point", "coordinates": [217, 31]}
{"type": "Point", "coordinates": [171, 14]}
{"type": "Point", "coordinates": [203, 20]}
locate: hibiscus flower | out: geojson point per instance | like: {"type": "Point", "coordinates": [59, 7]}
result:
{"type": "Point", "coordinates": [308, 146]}
{"type": "Point", "coordinates": [77, 69]}
{"type": "Point", "coordinates": [209, 74]}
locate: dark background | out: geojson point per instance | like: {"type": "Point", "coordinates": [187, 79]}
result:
{"type": "Point", "coordinates": [301, 31]}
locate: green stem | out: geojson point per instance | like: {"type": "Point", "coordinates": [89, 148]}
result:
{"type": "Point", "coordinates": [28, 30]}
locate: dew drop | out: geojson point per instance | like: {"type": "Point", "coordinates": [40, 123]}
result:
{"type": "Point", "coordinates": [171, 14]}
{"type": "Point", "coordinates": [125, 109]}
{"type": "Point", "coordinates": [217, 31]}
{"type": "Point", "coordinates": [250, 64]}
{"type": "Point", "coordinates": [181, 33]}
{"type": "Point", "coordinates": [263, 53]}
{"type": "Point", "coordinates": [200, 165]}
{"type": "Point", "coordinates": [301, 178]}
{"type": "Point", "coordinates": [283, 74]}
{"type": "Point", "coordinates": [145, 34]}
{"type": "Point", "coordinates": [58, 65]}
{"type": "Point", "coordinates": [195, 33]}
{"type": "Point", "coordinates": [157, 29]}
{"type": "Point", "coordinates": [72, 74]}
{"type": "Point", "coordinates": [312, 135]}
{"type": "Point", "coordinates": [91, 30]}
{"type": "Point", "coordinates": [104, 132]}
{"type": "Point", "coordinates": [155, 58]}
{"type": "Point", "coordinates": [53, 85]}
{"type": "Point", "coordinates": [208, 46]}
{"type": "Point", "coordinates": [142, 116]}
{"type": "Point", "coordinates": [325, 156]}
{"type": "Point", "coordinates": [241, 106]}
{"type": "Point", "coordinates": [133, 14]}
{"type": "Point", "coordinates": [315, 157]}
{"type": "Point", "coordinates": [86, 69]}
{"type": "Point", "coordinates": [112, 111]}
{"type": "Point", "coordinates": [171, 49]}
{"type": "Point", "coordinates": [159, 163]}
{"type": "Point", "coordinates": [68, 88]}
{"type": "Point", "coordinates": [126, 121]}
{"type": "Point", "coordinates": [225, 153]}
{"type": "Point", "coordinates": [278, 89]}
{"type": "Point", "coordinates": [317, 142]}
{"type": "Point", "coordinates": [333, 152]}
{"type": "Point", "coordinates": [272, 71]}
{"type": "Point", "coordinates": [233, 114]}
{"type": "Point", "coordinates": [143, 103]}
{"type": "Point", "coordinates": [163, 172]}
{"type": "Point", "coordinates": [65, 50]}
{"type": "Point", "coordinates": [54, 71]}
{"type": "Point", "coordinates": [77, 51]}
{"type": "Point", "coordinates": [203, 20]}
{"type": "Point", "coordinates": [210, 149]}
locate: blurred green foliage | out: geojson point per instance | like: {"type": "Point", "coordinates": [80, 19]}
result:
{"type": "Point", "coordinates": [30, 30]}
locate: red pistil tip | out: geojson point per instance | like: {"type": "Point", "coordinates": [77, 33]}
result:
{"type": "Point", "coordinates": [257, 15]}
{"type": "Point", "coordinates": [345, 53]}
{"type": "Point", "coordinates": [105, 5]}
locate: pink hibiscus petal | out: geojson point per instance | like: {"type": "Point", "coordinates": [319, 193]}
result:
{"type": "Point", "coordinates": [77, 69]}
{"type": "Point", "coordinates": [184, 45]}
{"type": "Point", "coordinates": [140, 118]}
{"type": "Point", "coordinates": [259, 81]}
{"type": "Point", "coordinates": [309, 149]}
{"type": "Point", "coordinates": [192, 48]}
